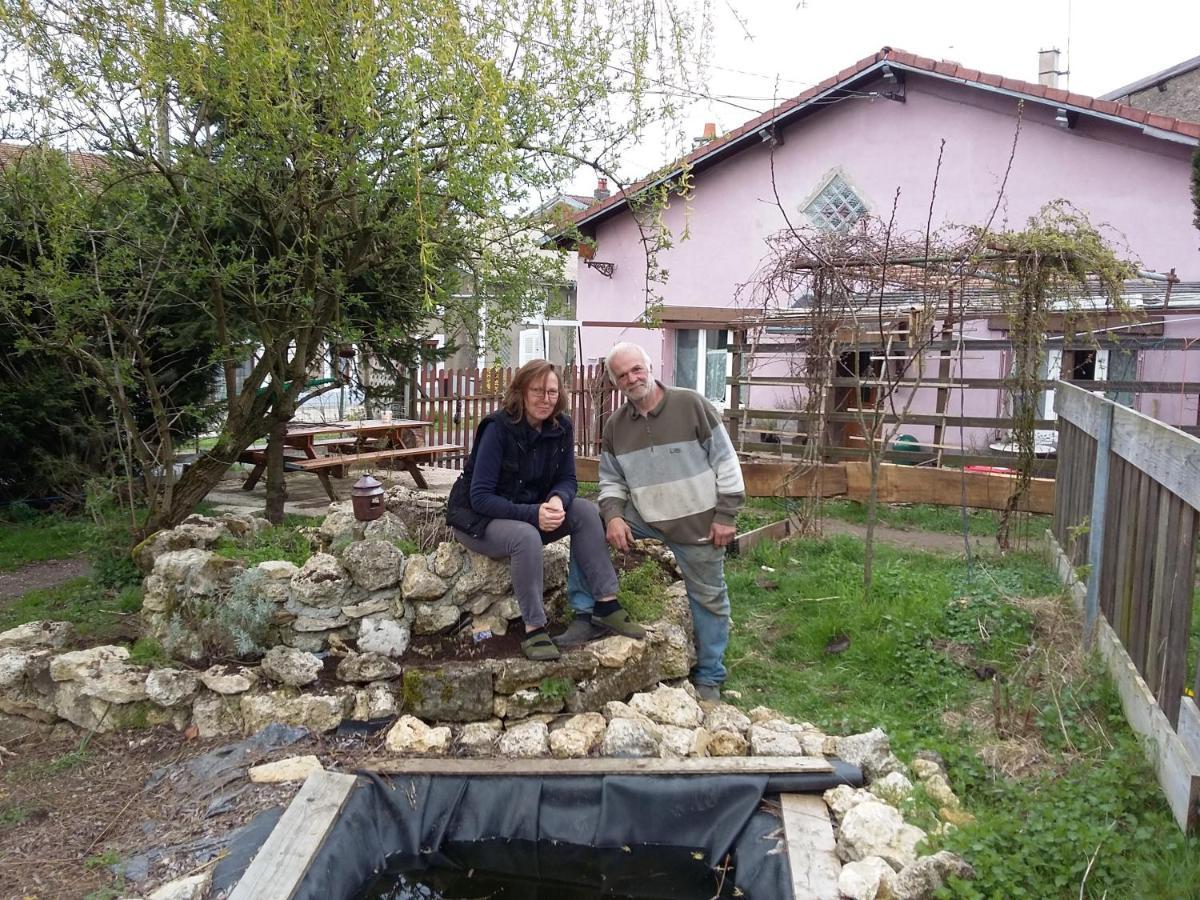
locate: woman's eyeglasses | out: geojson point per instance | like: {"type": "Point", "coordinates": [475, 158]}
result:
{"type": "Point", "coordinates": [544, 393]}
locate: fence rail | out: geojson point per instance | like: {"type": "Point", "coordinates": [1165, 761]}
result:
{"type": "Point", "coordinates": [1127, 506]}
{"type": "Point", "coordinates": [457, 400]}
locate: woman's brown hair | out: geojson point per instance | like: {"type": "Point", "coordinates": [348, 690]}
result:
{"type": "Point", "coordinates": [533, 372]}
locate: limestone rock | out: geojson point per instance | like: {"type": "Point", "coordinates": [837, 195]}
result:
{"type": "Point", "coordinates": [367, 667]}
{"type": "Point", "coordinates": [375, 701]}
{"type": "Point", "coordinates": [613, 652]}
{"type": "Point", "coordinates": [448, 559]}
{"type": "Point", "coordinates": [926, 768]}
{"type": "Point", "coordinates": [419, 582]}
{"type": "Point", "coordinates": [411, 735]}
{"type": "Point", "coordinates": [215, 715]}
{"type": "Point", "coordinates": [578, 736]}
{"type": "Point", "coordinates": [340, 525]}
{"type": "Point", "coordinates": [14, 665]}
{"type": "Point", "coordinates": [195, 573]}
{"type": "Point", "coordinates": [727, 743]}
{"type": "Point", "coordinates": [675, 742]}
{"type": "Point", "coordinates": [228, 680]}
{"type": "Point", "coordinates": [843, 798]}
{"type": "Point", "coordinates": [294, 768]}
{"type": "Point", "coordinates": [289, 666]}
{"type": "Point", "coordinates": [388, 527]}
{"type": "Point", "coordinates": [940, 792]}
{"type": "Point", "coordinates": [723, 717]}
{"type": "Point", "coordinates": [373, 605]}
{"type": "Point", "coordinates": [619, 709]}
{"type": "Point", "coordinates": [892, 788]}
{"type": "Point", "coordinates": [450, 693]}
{"type": "Point", "coordinates": [919, 880]}
{"type": "Point", "coordinates": [171, 687]}
{"type": "Point", "coordinates": [871, 750]}
{"type": "Point", "coordinates": [760, 714]}
{"type": "Point", "coordinates": [556, 559]}
{"type": "Point", "coordinates": [524, 703]}
{"type": "Point", "coordinates": [384, 635]}
{"type": "Point", "coordinates": [527, 740]}
{"type": "Point", "coordinates": [665, 658]}
{"type": "Point", "coordinates": [273, 579]}
{"type": "Point", "coordinates": [193, 887]}
{"type": "Point", "coordinates": [373, 565]}
{"type": "Point", "coordinates": [430, 618]}
{"type": "Point", "coordinates": [199, 532]}
{"type": "Point", "coordinates": [316, 712]}
{"type": "Point", "coordinates": [482, 576]}
{"type": "Point", "coordinates": [517, 672]}
{"type": "Point", "coordinates": [866, 879]}
{"type": "Point", "coordinates": [81, 710]}
{"type": "Point", "coordinates": [115, 685]}
{"type": "Point", "coordinates": [769, 742]}
{"type": "Point", "coordinates": [629, 738]}
{"type": "Point", "coordinates": [504, 608]}
{"type": "Point", "coordinates": [38, 635]}
{"type": "Point", "coordinates": [80, 664]}
{"type": "Point", "coordinates": [876, 829]}
{"type": "Point", "coordinates": [669, 706]}
{"type": "Point", "coordinates": [312, 624]}
{"type": "Point", "coordinates": [479, 738]}
{"type": "Point", "coordinates": [321, 582]}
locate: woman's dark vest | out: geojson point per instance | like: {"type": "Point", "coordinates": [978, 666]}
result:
{"type": "Point", "coordinates": [527, 473]}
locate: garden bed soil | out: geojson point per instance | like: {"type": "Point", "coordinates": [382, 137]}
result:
{"type": "Point", "coordinates": [40, 575]}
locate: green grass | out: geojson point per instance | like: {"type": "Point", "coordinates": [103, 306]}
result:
{"type": "Point", "coordinates": [946, 519]}
{"type": "Point", "coordinates": [643, 591]}
{"type": "Point", "coordinates": [912, 658]}
{"type": "Point", "coordinates": [97, 613]}
{"type": "Point", "coordinates": [37, 538]}
{"type": "Point", "coordinates": [275, 542]}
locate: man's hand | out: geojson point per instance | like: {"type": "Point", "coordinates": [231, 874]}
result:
{"type": "Point", "coordinates": [619, 534]}
{"type": "Point", "coordinates": [551, 515]}
{"type": "Point", "coordinates": [721, 535]}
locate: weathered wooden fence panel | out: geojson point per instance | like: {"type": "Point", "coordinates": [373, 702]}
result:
{"type": "Point", "coordinates": [456, 400]}
{"type": "Point", "coordinates": [1127, 507]}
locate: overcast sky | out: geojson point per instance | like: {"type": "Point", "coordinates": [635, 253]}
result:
{"type": "Point", "coordinates": [789, 45]}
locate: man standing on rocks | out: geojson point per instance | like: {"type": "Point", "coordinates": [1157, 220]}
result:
{"type": "Point", "coordinates": [668, 471]}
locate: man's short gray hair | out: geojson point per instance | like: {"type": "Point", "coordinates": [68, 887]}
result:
{"type": "Point", "coordinates": [626, 347]}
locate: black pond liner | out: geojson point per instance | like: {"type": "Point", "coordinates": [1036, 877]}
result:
{"type": "Point", "coordinates": [428, 818]}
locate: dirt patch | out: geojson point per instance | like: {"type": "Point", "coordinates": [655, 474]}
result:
{"type": "Point", "coordinates": [928, 541]}
{"type": "Point", "coordinates": [40, 575]}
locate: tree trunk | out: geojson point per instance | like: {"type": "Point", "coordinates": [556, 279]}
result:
{"type": "Point", "coordinates": [276, 481]}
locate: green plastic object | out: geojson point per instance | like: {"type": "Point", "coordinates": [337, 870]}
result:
{"type": "Point", "coordinates": [906, 443]}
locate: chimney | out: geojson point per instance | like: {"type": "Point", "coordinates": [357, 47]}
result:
{"type": "Point", "coordinates": [602, 190]}
{"type": "Point", "coordinates": [1048, 70]}
{"type": "Point", "coordinates": [710, 134]}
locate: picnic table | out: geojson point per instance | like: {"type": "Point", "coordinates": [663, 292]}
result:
{"type": "Point", "coordinates": [398, 441]}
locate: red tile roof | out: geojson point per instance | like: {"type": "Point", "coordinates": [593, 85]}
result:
{"type": "Point", "coordinates": [1079, 102]}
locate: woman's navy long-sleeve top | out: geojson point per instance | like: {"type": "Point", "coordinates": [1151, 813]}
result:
{"type": "Point", "coordinates": [516, 468]}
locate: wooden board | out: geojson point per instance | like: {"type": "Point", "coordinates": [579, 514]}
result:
{"type": "Point", "coordinates": [1177, 772]}
{"type": "Point", "coordinates": [282, 861]}
{"type": "Point", "coordinates": [944, 487]}
{"type": "Point", "coordinates": [717, 765]}
{"type": "Point", "coordinates": [810, 845]}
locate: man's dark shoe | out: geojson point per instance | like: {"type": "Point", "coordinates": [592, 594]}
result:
{"type": "Point", "coordinates": [710, 693]}
{"type": "Point", "coordinates": [580, 631]}
{"type": "Point", "coordinates": [619, 622]}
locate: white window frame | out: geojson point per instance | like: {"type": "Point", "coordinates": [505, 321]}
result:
{"type": "Point", "coordinates": [537, 350]}
{"type": "Point", "coordinates": [701, 357]}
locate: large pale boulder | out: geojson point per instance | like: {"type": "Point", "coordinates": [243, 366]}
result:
{"type": "Point", "coordinates": [191, 887]}
{"type": "Point", "coordinates": [81, 664]}
{"type": "Point", "coordinates": [373, 565]}
{"type": "Point", "coordinates": [197, 533]}
{"type": "Point", "coordinates": [321, 582]}
{"type": "Point", "coordinates": [669, 706]}
{"type": "Point", "coordinates": [723, 717]}
{"type": "Point", "coordinates": [448, 559]}
{"type": "Point", "coordinates": [629, 738]}
{"type": "Point", "coordinates": [194, 573]}
{"type": "Point", "coordinates": [866, 879]}
{"type": "Point", "coordinates": [450, 693]}
{"type": "Point", "coordinates": [664, 657]}
{"type": "Point", "coordinates": [892, 788]}
{"type": "Point", "coordinates": [367, 667]}
{"type": "Point", "coordinates": [727, 743]}
{"type": "Point", "coordinates": [273, 579]}
{"type": "Point", "coordinates": [388, 527]}
{"type": "Point", "coordinates": [215, 715]}
{"type": "Point", "coordinates": [316, 712]}
{"type": "Point", "coordinates": [528, 740]}
{"type": "Point", "coordinates": [419, 582]}
{"type": "Point", "coordinates": [578, 736]}
{"type": "Point", "coordinates": [843, 798]}
{"type": "Point", "coordinates": [675, 742]}
{"type": "Point", "coordinates": [516, 673]}
{"type": "Point", "coordinates": [411, 735]}
{"type": "Point", "coordinates": [615, 651]}
{"type": "Point", "coordinates": [431, 618]}
{"type": "Point", "coordinates": [876, 829]}
{"type": "Point", "coordinates": [38, 635]}
{"type": "Point", "coordinates": [171, 687]}
{"type": "Point", "coordinates": [482, 575]}
{"type": "Point", "coordinates": [527, 702]}
{"type": "Point", "coordinates": [384, 635]}
{"type": "Point", "coordinates": [871, 750]}
{"type": "Point", "coordinates": [289, 666]}
{"type": "Point", "coordinates": [769, 742]}
{"type": "Point", "coordinates": [923, 878]}
{"type": "Point", "coordinates": [375, 701]}
{"type": "Point", "coordinates": [479, 738]}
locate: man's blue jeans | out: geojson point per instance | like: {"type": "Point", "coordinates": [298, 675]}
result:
{"type": "Point", "coordinates": [703, 569]}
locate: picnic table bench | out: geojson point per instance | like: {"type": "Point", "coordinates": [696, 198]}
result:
{"type": "Point", "coordinates": [350, 445]}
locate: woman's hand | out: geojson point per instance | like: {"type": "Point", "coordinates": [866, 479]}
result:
{"type": "Point", "coordinates": [551, 514]}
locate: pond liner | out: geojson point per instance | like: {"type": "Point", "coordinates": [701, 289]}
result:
{"type": "Point", "coordinates": [418, 815]}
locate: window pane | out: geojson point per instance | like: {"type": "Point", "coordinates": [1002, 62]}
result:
{"type": "Point", "coordinates": [687, 346]}
{"type": "Point", "coordinates": [714, 376]}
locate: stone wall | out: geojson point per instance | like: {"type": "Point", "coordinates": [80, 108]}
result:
{"type": "Point", "coordinates": [1178, 97]}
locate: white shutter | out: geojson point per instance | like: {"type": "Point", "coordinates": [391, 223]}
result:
{"type": "Point", "coordinates": [530, 346]}
{"type": "Point", "coordinates": [1053, 370]}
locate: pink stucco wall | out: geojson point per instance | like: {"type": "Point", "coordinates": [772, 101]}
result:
{"type": "Point", "coordinates": [1137, 185]}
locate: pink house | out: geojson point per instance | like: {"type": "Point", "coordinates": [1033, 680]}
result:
{"type": "Point", "coordinates": [844, 148]}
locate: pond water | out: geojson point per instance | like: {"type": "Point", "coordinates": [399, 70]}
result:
{"type": "Point", "coordinates": [528, 870]}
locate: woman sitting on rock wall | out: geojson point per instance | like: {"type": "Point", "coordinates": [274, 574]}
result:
{"type": "Point", "coordinates": [517, 494]}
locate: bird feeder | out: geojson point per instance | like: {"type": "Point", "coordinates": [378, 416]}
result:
{"type": "Point", "coordinates": [367, 499]}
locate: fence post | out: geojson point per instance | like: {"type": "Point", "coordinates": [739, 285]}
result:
{"type": "Point", "coordinates": [1091, 606]}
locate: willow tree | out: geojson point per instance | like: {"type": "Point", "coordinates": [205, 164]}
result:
{"type": "Point", "coordinates": [309, 174]}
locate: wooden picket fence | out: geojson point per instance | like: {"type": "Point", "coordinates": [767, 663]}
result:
{"type": "Point", "coordinates": [1126, 521]}
{"type": "Point", "coordinates": [457, 400]}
